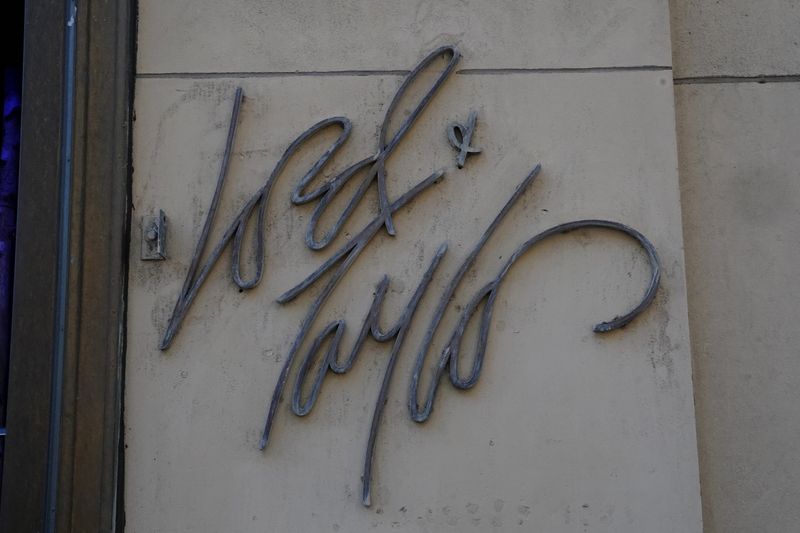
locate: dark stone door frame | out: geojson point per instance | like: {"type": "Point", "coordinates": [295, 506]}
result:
{"type": "Point", "coordinates": [63, 465]}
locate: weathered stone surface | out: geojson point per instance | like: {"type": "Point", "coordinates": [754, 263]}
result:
{"type": "Point", "coordinates": [741, 191]}
{"type": "Point", "coordinates": [735, 37]}
{"type": "Point", "coordinates": [320, 35]}
{"type": "Point", "coordinates": [565, 429]}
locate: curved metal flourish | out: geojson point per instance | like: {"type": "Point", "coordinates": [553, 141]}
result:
{"type": "Point", "coordinates": [487, 295]}
{"type": "Point", "coordinates": [460, 137]}
{"type": "Point", "coordinates": [341, 260]}
{"type": "Point", "coordinates": [386, 148]}
{"type": "Point", "coordinates": [324, 352]}
{"type": "Point", "coordinates": [448, 359]}
{"type": "Point", "coordinates": [330, 359]}
{"type": "Point", "coordinates": [235, 231]}
{"type": "Point", "coordinates": [374, 166]}
{"type": "Point", "coordinates": [450, 356]}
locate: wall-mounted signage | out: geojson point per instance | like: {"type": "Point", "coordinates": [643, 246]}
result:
{"type": "Point", "coordinates": [326, 354]}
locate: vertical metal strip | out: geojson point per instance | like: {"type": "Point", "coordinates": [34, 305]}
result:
{"type": "Point", "coordinates": [65, 197]}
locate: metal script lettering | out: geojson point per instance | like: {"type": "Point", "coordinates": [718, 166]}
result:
{"type": "Point", "coordinates": [460, 137]}
{"type": "Point", "coordinates": [373, 169]}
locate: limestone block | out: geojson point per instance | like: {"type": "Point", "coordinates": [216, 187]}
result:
{"type": "Point", "coordinates": [565, 429]}
{"type": "Point", "coordinates": [735, 37]}
{"type": "Point", "coordinates": [321, 35]}
{"type": "Point", "coordinates": [741, 191]}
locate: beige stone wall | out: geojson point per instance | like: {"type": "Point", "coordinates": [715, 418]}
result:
{"type": "Point", "coordinates": [566, 430]}
{"type": "Point", "coordinates": [740, 191]}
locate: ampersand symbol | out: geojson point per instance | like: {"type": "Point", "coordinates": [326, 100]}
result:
{"type": "Point", "coordinates": [461, 136]}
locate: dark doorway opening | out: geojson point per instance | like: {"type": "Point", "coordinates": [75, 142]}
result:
{"type": "Point", "coordinates": [11, 29]}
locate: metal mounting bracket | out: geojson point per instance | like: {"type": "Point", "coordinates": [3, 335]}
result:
{"type": "Point", "coordinates": [154, 237]}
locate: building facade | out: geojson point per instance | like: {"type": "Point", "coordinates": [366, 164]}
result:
{"type": "Point", "coordinates": [578, 217]}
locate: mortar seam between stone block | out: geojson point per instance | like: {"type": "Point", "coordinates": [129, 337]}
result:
{"type": "Point", "coordinates": [466, 72]}
{"type": "Point", "coordinates": [762, 79]}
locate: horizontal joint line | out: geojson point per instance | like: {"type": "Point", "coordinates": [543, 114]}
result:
{"type": "Point", "coordinates": [466, 72]}
{"type": "Point", "coordinates": [312, 73]}
{"type": "Point", "coordinates": [788, 78]}
{"type": "Point", "coordinates": [557, 70]}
